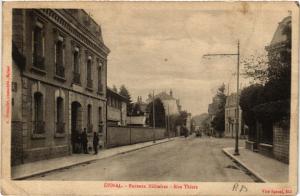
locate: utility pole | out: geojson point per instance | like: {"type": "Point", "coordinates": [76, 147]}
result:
{"type": "Point", "coordinates": [168, 122]}
{"type": "Point", "coordinates": [236, 151]}
{"type": "Point", "coordinates": [153, 117]}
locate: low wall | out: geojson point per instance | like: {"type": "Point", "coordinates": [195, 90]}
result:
{"type": "Point", "coordinates": [281, 142]}
{"type": "Point", "coordinates": [120, 136]}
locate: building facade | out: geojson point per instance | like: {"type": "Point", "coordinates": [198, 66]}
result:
{"type": "Point", "coordinates": [231, 119]}
{"type": "Point", "coordinates": [59, 83]}
{"type": "Point", "coordinates": [116, 109]}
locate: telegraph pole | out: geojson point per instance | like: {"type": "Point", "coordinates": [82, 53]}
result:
{"type": "Point", "coordinates": [236, 151]}
{"type": "Point", "coordinates": [153, 117]}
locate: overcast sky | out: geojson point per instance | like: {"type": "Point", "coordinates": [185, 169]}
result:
{"type": "Point", "coordinates": [160, 46]}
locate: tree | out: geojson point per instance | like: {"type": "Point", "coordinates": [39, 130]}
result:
{"type": "Point", "coordinates": [256, 68]}
{"type": "Point", "coordinates": [115, 88]}
{"type": "Point", "coordinates": [159, 113]}
{"type": "Point", "coordinates": [218, 122]}
{"type": "Point", "coordinates": [125, 93]}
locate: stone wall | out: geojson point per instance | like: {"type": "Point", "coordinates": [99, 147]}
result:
{"type": "Point", "coordinates": [281, 142]}
{"type": "Point", "coordinates": [38, 154]}
{"type": "Point", "coordinates": [119, 136]}
{"type": "Point", "coordinates": [16, 143]}
{"type": "Point", "coordinates": [266, 149]}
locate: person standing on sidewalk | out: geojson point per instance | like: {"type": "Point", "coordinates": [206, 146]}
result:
{"type": "Point", "coordinates": [95, 142]}
{"type": "Point", "coordinates": [84, 141]}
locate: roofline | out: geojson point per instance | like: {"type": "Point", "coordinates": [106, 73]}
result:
{"type": "Point", "coordinates": [113, 92]}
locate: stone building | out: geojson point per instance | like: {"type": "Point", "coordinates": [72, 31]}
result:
{"type": "Point", "coordinates": [58, 85]}
{"type": "Point", "coordinates": [116, 109]}
{"type": "Point", "coordinates": [231, 118]}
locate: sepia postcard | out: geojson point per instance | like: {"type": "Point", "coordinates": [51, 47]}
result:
{"type": "Point", "coordinates": [149, 98]}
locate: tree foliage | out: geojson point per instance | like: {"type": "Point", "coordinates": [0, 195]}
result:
{"type": "Point", "coordinates": [268, 102]}
{"type": "Point", "coordinates": [125, 93]}
{"type": "Point", "coordinates": [115, 88]}
{"type": "Point", "coordinates": [218, 122]}
{"type": "Point", "coordinates": [159, 113]}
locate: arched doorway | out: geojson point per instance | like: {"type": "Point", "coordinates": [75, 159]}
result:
{"type": "Point", "coordinates": [76, 124]}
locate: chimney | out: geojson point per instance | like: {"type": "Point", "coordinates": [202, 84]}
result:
{"type": "Point", "coordinates": [171, 93]}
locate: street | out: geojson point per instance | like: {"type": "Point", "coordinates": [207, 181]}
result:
{"type": "Point", "coordinates": [191, 159]}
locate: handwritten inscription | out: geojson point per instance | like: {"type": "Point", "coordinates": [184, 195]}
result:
{"type": "Point", "coordinates": [239, 188]}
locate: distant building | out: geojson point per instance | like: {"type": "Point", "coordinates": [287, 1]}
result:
{"type": "Point", "coordinates": [139, 115]}
{"type": "Point", "coordinates": [58, 84]}
{"type": "Point", "coordinates": [171, 104]}
{"type": "Point", "coordinates": [231, 118]}
{"type": "Point", "coordinates": [116, 109]}
{"type": "Point", "coordinates": [212, 112]}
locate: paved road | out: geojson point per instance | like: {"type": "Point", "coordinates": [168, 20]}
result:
{"type": "Point", "coordinates": [192, 159]}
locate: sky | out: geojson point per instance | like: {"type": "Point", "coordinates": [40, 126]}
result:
{"type": "Point", "coordinates": [160, 46]}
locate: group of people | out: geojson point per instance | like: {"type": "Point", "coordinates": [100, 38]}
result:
{"type": "Point", "coordinates": [80, 142]}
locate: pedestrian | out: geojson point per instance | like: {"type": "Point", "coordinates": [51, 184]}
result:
{"type": "Point", "coordinates": [95, 142]}
{"type": "Point", "coordinates": [84, 141]}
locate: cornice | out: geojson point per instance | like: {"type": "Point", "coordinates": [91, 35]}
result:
{"type": "Point", "coordinates": [56, 17]}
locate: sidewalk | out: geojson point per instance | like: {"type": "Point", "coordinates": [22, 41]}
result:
{"type": "Point", "coordinates": [39, 167]}
{"type": "Point", "coordinates": [264, 168]}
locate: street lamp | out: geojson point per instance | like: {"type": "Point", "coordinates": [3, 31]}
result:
{"type": "Point", "coordinates": [236, 151]}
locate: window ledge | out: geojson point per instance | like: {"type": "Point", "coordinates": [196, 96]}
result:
{"type": "Point", "coordinates": [59, 78]}
{"type": "Point", "coordinates": [59, 135]}
{"type": "Point", "coordinates": [37, 70]}
{"type": "Point", "coordinates": [38, 136]}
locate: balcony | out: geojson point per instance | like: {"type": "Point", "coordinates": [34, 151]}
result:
{"type": "Point", "coordinates": [38, 127]}
{"type": "Point", "coordinates": [60, 71]}
{"type": "Point", "coordinates": [60, 127]}
{"type": "Point", "coordinates": [89, 128]}
{"type": "Point", "coordinates": [89, 83]}
{"type": "Point", "coordinates": [76, 78]}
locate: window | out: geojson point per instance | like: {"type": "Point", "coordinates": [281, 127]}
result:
{"type": "Point", "coordinates": [89, 118]}
{"type": "Point", "coordinates": [60, 125]}
{"type": "Point", "coordinates": [38, 126]}
{"type": "Point", "coordinates": [59, 57]}
{"type": "Point", "coordinates": [76, 60]}
{"type": "Point", "coordinates": [89, 72]}
{"type": "Point", "coordinates": [100, 87]}
{"type": "Point", "coordinates": [38, 46]}
{"type": "Point", "coordinates": [76, 70]}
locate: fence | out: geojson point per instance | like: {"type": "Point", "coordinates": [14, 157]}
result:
{"type": "Point", "coordinates": [120, 136]}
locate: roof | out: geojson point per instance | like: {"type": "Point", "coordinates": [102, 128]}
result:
{"type": "Point", "coordinates": [279, 35]}
{"type": "Point", "coordinates": [110, 91]}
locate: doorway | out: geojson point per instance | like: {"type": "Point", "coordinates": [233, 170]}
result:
{"type": "Point", "coordinates": [76, 122]}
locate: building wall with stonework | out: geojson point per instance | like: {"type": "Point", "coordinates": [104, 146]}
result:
{"type": "Point", "coordinates": [231, 118]}
{"type": "Point", "coordinates": [63, 80]}
{"type": "Point", "coordinates": [116, 109]}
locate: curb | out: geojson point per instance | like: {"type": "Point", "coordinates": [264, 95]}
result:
{"type": "Point", "coordinates": [241, 163]}
{"type": "Point", "coordinates": [87, 161]}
